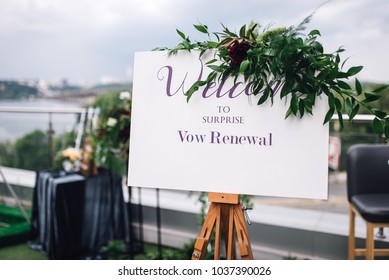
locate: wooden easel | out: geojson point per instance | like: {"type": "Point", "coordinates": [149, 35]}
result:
{"type": "Point", "coordinates": [225, 213]}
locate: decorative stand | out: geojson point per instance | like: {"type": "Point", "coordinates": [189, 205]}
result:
{"type": "Point", "coordinates": [225, 213]}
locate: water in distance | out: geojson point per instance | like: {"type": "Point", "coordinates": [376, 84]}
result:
{"type": "Point", "coordinates": [16, 125]}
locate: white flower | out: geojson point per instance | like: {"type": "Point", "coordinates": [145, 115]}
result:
{"type": "Point", "coordinates": [68, 166]}
{"type": "Point", "coordinates": [125, 95]}
{"type": "Point", "coordinates": [112, 122]}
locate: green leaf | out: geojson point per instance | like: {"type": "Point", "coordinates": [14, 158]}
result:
{"type": "Point", "coordinates": [242, 31]}
{"type": "Point", "coordinates": [257, 86]}
{"type": "Point", "coordinates": [370, 97]}
{"type": "Point", "coordinates": [308, 105]}
{"type": "Point", "coordinates": [182, 35]}
{"type": "Point", "coordinates": [244, 65]}
{"type": "Point", "coordinates": [338, 104]}
{"type": "Point", "coordinates": [348, 106]}
{"type": "Point", "coordinates": [377, 126]}
{"type": "Point", "coordinates": [228, 32]}
{"type": "Point", "coordinates": [329, 115]}
{"type": "Point", "coordinates": [287, 87]}
{"type": "Point", "coordinates": [334, 73]}
{"type": "Point", "coordinates": [211, 77]}
{"type": "Point", "coordinates": [358, 87]}
{"type": "Point", "coordinates": [301, 108]}
{"type": "Point", "coordinates": [201, 28]}
{"type": "Point", "coordinates": [211, 61]}
{"type": "Point", "coordinates": [323, 74]}
{"type": "Point", "coordinates": [251, 30]}
{"type": "Point", "coordinates": [195, 87]}
{"type": "Point", "coordinates": [354, 70]}
{"type": "Point", "coordinates": [331, 101]}
{"type": "Point", "coordinates": [340, 49]}
{"type": "Point", "coordinates": [343, 75]}
{"type": "Point", "coordinates": [354, 112]}
{"type": "Point", "coordinates": [340, 118]}
{"type": "Point", "coordinates": [288, 113]}
{"type": "Point", "coordinates": [337, 59]}
{"type": "Point", "coordinates": [379, 114]}
{"type": "Point", "coordinates": [344, 62]}
{"type": "Point", "coordinates": [186, 44]}
{"type": "Point", "coordinates": [318, 46]}
{"type": "Point", "coordinates": [348, 92]}
{"type": "Point", "coordinates": [343, 85]}
{"type": "Point", "coordinates": [216, 68]}
{"type": "Point", "coordinates": [225, 41]}
{"type": "Point", "coordinates": [264, 97]}
{"type": "Point", "coordinates": [212, 44]}
{"type": "Point", "coordinates": [314, 32]}
{"type": "Point", "coordinates": [381, 88]}
{"type": "Point", "coordinates": [294, 104]}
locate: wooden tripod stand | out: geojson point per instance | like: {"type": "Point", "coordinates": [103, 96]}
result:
{"type": "Point", "coordinates": [225, 213]}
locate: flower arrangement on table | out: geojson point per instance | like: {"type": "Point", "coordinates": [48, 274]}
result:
{"type": "Point", "coordinates": [288, 63]}
{"type": "Point", "coordinates": [111, 138]}
{"type": "Point", "coordinates": [69, 159]}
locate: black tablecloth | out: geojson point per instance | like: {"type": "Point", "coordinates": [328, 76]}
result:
{"type": "Point", "coordinates": [74, 216]}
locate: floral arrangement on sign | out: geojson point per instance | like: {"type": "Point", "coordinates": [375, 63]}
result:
{"type": "Point", "coordinates": [111, 138]}
{"type": "Point", "coordinates": [287, 62]}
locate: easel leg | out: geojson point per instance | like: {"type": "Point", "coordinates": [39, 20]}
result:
{"type": "Point", "coordinates": [203, 240]}
{"type": "Point", "coordinates": [218, 230]}
{"type": "Point", "coordinates": [242, 234]}
{"type": "Point", "coordinates": [228, 230]}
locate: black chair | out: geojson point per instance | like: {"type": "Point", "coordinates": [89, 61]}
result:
{"type": "Point", "coordinates": [368, 194]}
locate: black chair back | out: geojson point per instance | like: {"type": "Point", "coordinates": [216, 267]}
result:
{"type": "Point", "coordinates": [367, 169]}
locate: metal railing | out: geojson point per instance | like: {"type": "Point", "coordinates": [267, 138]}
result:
{"type": "Point", "coordinates": [85, 114]}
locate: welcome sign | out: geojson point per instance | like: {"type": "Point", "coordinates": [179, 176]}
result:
{"type": "Point", "coordinates": [220, 140]}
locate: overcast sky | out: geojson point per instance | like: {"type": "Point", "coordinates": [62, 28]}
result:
{"type": "Point", "coordinates": [95, 40]}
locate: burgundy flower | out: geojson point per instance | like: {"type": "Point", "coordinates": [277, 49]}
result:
{"type": "Point", "coordinates": [101, 132]}
{"type": "Point", "coordinates": [126, 112]}
{"type": "Point", "coordinates": [124, 133]}
{"type": "Point", "coordinates": [237, 51]}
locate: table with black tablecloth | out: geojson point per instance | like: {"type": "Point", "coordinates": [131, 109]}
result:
{"type": "Point", "coordinates": [74, 216]}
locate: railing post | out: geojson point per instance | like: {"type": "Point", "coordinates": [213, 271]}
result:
{"type": "Point", "coordinates": [50, 135]}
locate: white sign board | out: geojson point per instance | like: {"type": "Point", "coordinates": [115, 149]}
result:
{"type": "Point", "coordinates": [221, 140]}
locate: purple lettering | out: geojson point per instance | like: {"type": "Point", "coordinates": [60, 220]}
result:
{"type": "Point", "coordinates": [215, 137]}
{"type": "Point", "coordinates": [242, 139]}
{"type": "Point", "coordinates": [218, 93]}
{"type": "Point", "coordinates": [231, 91]}
{"type": "Point", "coordinates": [207, 87]}
{"type": "Point", "coordinates": [170, 78]}
{"type": "Point", "coordinates": [189, 138]}
{"type": "Point", "coordinates": [214, 88]}
{"type": "Point", "coordinates": [226, 139]}
{"type": "Point", "coordinates": [182, 136]}
{"type": "Point", "coordinates": [218, 138]}
{"type": "Point", "coordinates": [251, 139]}
{"type": "Point", "coordinates": [270, 139]}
